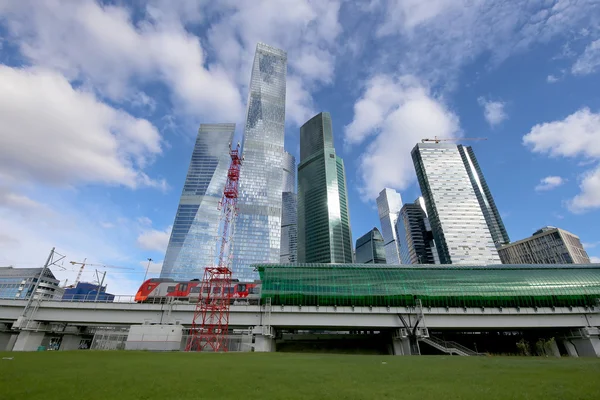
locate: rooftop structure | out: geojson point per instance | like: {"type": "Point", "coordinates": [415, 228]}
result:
{"type": "Point", "coordinates": [18, 283]}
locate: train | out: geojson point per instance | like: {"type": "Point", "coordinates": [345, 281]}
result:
{"type": "Point", "coordinates": [160, 290]}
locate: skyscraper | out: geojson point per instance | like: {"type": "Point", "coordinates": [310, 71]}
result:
{"type": "Point", "coordinates": [192, 243]}
{"type": "Point", "coordinates": [389, 203]}
{"type": "Point", "coordinates": [484, 196]}
{"type": "Point", "coordinates": [369, 248]}
{"type": "Point", "coordinates": [289, 231]}
{"type": "Point", "coordinates": [459, 227]}
{"type": "Point", "coordinates": [257, 234]}
{"type": "Point", "coordinates": [548, 245]}
{"type": "Point", "coordinates": [323, 217]}
{"type": "Point", "coordinates": [415, 238]}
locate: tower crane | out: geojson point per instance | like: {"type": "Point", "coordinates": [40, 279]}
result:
{"type": "Point", "coordinates": [437, 140]}
{"type": "Point", "coordinates": [84, 263]}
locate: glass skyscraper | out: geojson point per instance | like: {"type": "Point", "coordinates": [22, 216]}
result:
{"type": "Point", "coordinates": [257, 234]}
{"type": "Point", "coordinates": [369, 248]}
{"type": "Point", "coordinates": [389, 203]}
{"type": "Point", "coordinates": [193, 238]}
{"type": "Point", "coordinates": [484, 196]}
{"type": "Point", "coordinates": [415, 238]}
{"type": "Point", "coordinates": [459, 227]}
{"type": "Point", "coordinates": [323, 217]}
{"type": "Point", "coordinates": [289, 231]}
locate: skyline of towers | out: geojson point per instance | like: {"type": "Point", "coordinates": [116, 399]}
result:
{"type": "Point", "coordinates": [192, 242]}
{"type": "Point", "coordinates": [460, 230]}
{"type": "Point", "coordinates": [389, 203]}
{"type": "Point", "coordinates": [257, 235]}
{"type": "Point", "coordinates": [324, 234]}
{"type": "Point", "coordinates": [370, 248]}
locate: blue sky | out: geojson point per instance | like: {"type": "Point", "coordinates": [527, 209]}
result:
{"type": "Point", "coordinates": [100, 104]}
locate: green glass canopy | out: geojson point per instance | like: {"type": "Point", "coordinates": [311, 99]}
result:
{"type": "Point", "coordinates": [436, 286]}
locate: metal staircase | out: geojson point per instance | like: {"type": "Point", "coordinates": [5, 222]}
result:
{"type": "Point", "coordinates": [448, 347]}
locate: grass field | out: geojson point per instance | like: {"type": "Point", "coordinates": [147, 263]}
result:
{"type": "Point", "coordinates": [258, 376]}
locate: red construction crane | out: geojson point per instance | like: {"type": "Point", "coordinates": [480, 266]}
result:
{"type": "Point", "coordinates": [436, 140]}
{"type": "Point", "coordinates": [210, 325]}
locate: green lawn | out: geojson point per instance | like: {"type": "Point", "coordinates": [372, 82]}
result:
{"type": "Point", "coordinates": [90, 375]}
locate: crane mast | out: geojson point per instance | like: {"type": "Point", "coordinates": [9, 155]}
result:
{"type": "Point", "coordinates": [210, 325]}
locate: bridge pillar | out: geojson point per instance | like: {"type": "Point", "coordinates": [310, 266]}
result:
{"type": "Point", "coordinates": [7, 341]}
{"type": "Point", "coordinates": [264, 339]}
{"type": "Point", "coordinates": [586, 342]}
{"type": "Point", "coordinates": [570, 347]}
{"type": "Point", "coordinates": [70, 342]}
{"type": "Point", "coordinates": [401, 346]}
{"type": "Point", "coordinates": [28, 341]}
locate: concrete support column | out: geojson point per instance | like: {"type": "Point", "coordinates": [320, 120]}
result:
{"type": "Point", "coordinates": [28, 341]}
{"type": "Point", "coordinates": [587, 347]}
{"type": "Point", "coordinates": [571, 350]}
{"type": "Point", "coordinates": [554, 351]}
{"type": "Point", "coordinates": [7, 341]}
{"type": "Point", "coordinates": [264, 339]}
{"type": "Point", "coordinates": [401, 346]}
{"type": "Point", "coordinates": [70, 342]}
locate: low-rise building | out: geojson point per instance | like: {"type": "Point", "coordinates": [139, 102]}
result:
{"type": "Point", "coordinates": [19, 283]}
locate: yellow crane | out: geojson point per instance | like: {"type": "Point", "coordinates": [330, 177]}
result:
{"type": "Point", "coordinates": [84, 263]}
{"type": "Point", "coordinates": [437, 140]}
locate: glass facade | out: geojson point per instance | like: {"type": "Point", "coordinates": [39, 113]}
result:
{"type": "Point", "coordinates": [257, 232]}
{"type": "Point", "coordinates": [323, 216]}
{"type": "Point", "coordinates": [435, 286]}
{"type": "Point", "coordinates": [548, 245]}
{"type": "Point", "coordinates": [289, 229]}
{"type": "Point", "coordinates": [193, 238]}
{"type": "Point", "coordinates": [369, 248]}
{"type": "Point", "coordinates": [484, 196]}
{"type": "Point", "coordinates": [389, 203]}
{"type": "Point", "coordinates": [459, 227]}
{"type": "Point", "coordinates": [415, 239]}
{"type": "Point", "coordinates": [18, 284]}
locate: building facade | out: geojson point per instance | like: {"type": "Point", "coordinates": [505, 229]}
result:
{"type": "Point", "coordinates": [257, 234]}
{"type": "Point", "coordinates": [415, 238]}
{"type": "Point", "coordinates": [192, 242]}
{"type": "Point", "coordinates": [389, 203]}
{"type": "Point", "coordinates": [484, 196]}
{"type": "Point", "coordinates": [323, 216]}
{"type": "Point", "coordinates": [19, 284]}
{"type": "Point", "coordinates": [459, 227]}
{"type": "Point", "coordinates": [548, 245]}
{"type": "Point", "coordinates": [370, 248]}
{"type": "Point", "coordinates": [289, 201]}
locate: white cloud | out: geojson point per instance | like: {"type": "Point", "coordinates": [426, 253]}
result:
{"type": "Point", "coordinates": [552, 79]}
{"type": "Point", "coordinates": [549, 183]}
{"type": "Point", "coordinates": [589, 61]}
{"type": "Point", "coordinates": [66, 136]}
{"type": "Point", "coordinates": [493, 111]}
{"type": "Point", "coordinates": [154, 240]}
{"type": "Point", "coordinates": [595, 260]}
{"type": "Point", "coordinates": [590, 245]}
{"type": "Point", "coordinates": [575, 136]}
{"type": "Point", "coordinates": [107, 225]}
{"type": "Point", "coordinates": [397, 112]}
{"type": "Point", "coordinates": [154, 268]}
{"type": "Point", "coordinates": [100, 46]}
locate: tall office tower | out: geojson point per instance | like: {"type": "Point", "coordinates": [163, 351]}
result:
{"type": "Point", "coordinates": [323, 217]}
{"type": "Point", "coordinates": [257, 234]}
{"type": "Point", "coordinates": [415, 238]}
{"type": "Point", "coordinates": [459, 228]}
{"type": "Point", "coordinates": [370, 249]}
{"type": "Point", "coordinates": [289, 231]}
{"type": "Point", "coordinates": [548, 245]}
{"type": "Point", "coordinates": [484, 196]}
{"type": "Point", "coordinates": [192, 243]}
{"type": "Point", "coordinates": [389, 204]}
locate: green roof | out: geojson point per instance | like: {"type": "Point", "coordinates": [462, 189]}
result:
{"type": "Point", "coordinates": [435, 286]}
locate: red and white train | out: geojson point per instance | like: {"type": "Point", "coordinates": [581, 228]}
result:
{"type": "Point", "coordinates": [158, 290]}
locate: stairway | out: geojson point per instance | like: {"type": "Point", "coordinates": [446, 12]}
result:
{"type": "Point", "coordinates": [448, 347]}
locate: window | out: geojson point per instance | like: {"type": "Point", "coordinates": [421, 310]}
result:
{"type": "Point", "coordinates": [170, 289]}
{"type": "Point", "coordinates": [216, 290]}
{"type": "Point", "coordinates": [206, 290]}
{"type": "Point", "coordinates": [183, 287]}
{"type": "Point", "coordinates": [149, 287]}
{"type": "Point", "coordinates": [241, 288]}
{"type": "Point", "coordinates": [195, 289]}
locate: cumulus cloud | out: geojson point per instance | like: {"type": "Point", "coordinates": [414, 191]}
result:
{"type": "Point", "coordinates": [395, 113]}
{"type": "Point", "coordinates": [595, 260]}
{"type": "Point", "coordinates": [549, 183]}
{"type": "Point", "coordinates": [493, 111]}
{"type": "Point", "coordinates": [154, 240]}
{"type": "Point", "coordinates": [575, 136]}
{"type": "Point", "coordinates": [52, 133]}
{"type": "Point", "coordinates": [552, 79]}
{"type": "Point", "coordinates": [154, 268]}
{"type": "Point", "coordinates": [589, 61]}
{"type": "Point", "coordinates": [102, 47]}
